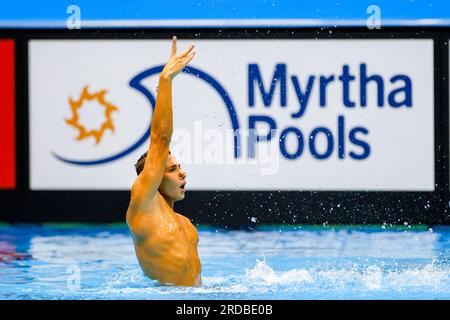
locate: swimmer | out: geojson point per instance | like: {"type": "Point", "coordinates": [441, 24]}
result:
{"type": "Point", "coordinates": [165, 241]}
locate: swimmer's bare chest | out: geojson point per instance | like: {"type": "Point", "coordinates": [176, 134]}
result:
{"type": "Point", "coordinates": [158, 218]}
{"type": "Point", "coordinates": [165, 243]}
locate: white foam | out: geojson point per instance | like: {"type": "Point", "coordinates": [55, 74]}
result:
{"type": "Point", "coordinates": [263, 272]}
{"type": "Point", "coordinates": [372, 277]}
{"type": "Point", "coordinates": [354, 278]}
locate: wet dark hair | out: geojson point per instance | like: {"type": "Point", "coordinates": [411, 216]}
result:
{"type": "Point", "coordinates": [139, 166]}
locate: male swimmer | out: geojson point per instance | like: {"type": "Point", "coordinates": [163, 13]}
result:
{"type": "Point", "coordinates": [165, 241]}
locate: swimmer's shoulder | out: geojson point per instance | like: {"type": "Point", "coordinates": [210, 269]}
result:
{"type": "Point", "coordinates": [141, 198]}
{"type": "Point", "coordinates": [188, 226]}
{"type": "Point", "coordinates": [141, 214]}
{"type": "Point", "coordinates": [183, 219]}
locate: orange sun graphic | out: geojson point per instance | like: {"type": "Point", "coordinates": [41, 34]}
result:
{"type": "Point", "coordinates": [75, 105]}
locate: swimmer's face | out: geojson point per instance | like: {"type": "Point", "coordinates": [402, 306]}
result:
{"type": "Point", "coordinates": [174, 179]}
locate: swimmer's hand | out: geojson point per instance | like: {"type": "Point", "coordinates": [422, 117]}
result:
{"type": "Point", "coordinates": [176, 62]}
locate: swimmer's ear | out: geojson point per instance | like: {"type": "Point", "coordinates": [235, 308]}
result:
{"type": "Point", "coordinates": [174, 46]}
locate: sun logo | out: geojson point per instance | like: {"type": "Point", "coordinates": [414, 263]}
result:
{"type": "Point", "coordinates": [75, 105]}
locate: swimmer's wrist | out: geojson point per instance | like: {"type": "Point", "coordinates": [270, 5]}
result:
{"type": "Point", "coordinates": [165, 77]}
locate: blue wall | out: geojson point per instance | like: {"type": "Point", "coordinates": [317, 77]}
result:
{"type": "Point", "coordinates": [28, 13]}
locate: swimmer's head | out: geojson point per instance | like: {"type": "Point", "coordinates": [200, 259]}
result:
{"type": "Point", "coordinates": [174, 178]}
{"type": "Point", "coordinates": [139, 165]}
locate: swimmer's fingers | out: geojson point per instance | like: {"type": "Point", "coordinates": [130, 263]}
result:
{"type": "Point", "coordinates": [176, 63]}
{"type": "Point", "coordinates": [181, 63]}
{"type": "Point", "coordinates": [184, 61]}
{"type": "Point", "coordinates": [174, 46]}
{"type": "Point", "coordinates": [189, 57]}
{"type": "Point", "coordinates": [185, 53]}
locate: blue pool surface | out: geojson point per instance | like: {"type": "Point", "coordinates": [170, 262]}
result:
{"type": "Point", "coordinates": [287, 262]}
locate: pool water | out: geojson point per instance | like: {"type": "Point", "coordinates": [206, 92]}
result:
{"type": "Point", "coordinates": [290, 262]}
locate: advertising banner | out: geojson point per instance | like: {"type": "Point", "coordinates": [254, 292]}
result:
{"type": "Point", "coordinates": [326, 115]}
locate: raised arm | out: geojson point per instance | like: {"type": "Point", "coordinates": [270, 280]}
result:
{"type": "Point", "coordinates": [147, 183]}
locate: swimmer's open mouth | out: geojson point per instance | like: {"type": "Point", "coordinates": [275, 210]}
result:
{"type": "Point", "coordinates": [182, 186]}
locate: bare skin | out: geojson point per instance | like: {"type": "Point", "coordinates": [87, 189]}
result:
{"type": "Point", "coordinates": [165, 241]}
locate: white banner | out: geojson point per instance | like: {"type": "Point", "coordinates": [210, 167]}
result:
{"type": "Point", "coordinates": [355, 115]}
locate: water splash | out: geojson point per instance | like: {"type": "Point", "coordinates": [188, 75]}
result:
{"type": "Point", "coordinates": [302, 264]}
{"type": "Point", "coordinates": [263, 272]}
{"type": "Point", "coordinates": [357, 278]}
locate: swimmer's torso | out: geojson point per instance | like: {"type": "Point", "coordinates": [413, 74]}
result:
{"type": "Point", "coordinates": [165, 243]}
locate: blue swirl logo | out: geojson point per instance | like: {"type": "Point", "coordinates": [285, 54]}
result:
{"type": "Point", "coordinates": [136, 83]}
